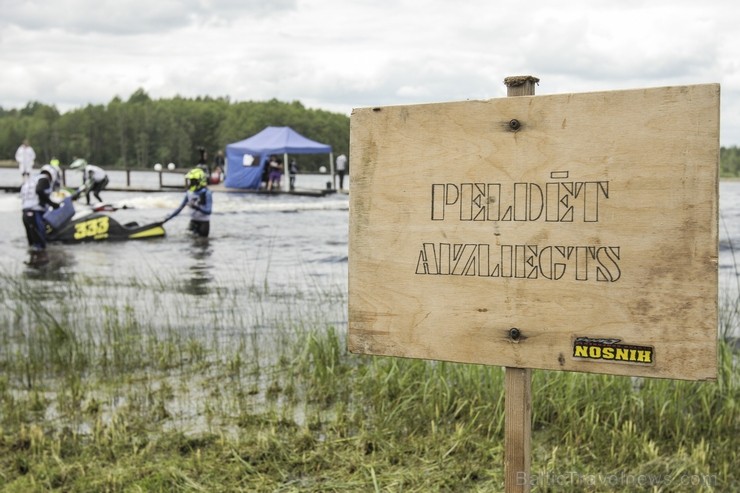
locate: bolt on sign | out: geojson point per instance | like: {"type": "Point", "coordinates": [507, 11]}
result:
{"type": "Point", "coordinates": [568, 232]}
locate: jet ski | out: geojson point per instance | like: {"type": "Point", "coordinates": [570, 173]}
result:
{"type": "Point", "coordinates": [63, 225]}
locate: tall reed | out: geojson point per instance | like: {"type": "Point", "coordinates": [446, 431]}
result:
{"type": "Point", "coordinates": [97, 397]}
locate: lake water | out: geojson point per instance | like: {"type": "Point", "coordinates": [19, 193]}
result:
{"type": "Point", "coordinates": [268, 256]}
{"type": "Point", "coordinates": [729, 233]}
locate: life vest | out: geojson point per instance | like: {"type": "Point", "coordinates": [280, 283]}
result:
{"type": "Point", "coordinates": [29, 197]}
{"type": "Point", "coordinates": [200, 198]}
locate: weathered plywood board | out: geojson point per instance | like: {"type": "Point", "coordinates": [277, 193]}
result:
{"type": "Point", "coordinates": [589, 224]}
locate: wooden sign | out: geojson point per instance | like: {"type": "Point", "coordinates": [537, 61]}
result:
{"type": "Point", "coordinates": [568, 232]}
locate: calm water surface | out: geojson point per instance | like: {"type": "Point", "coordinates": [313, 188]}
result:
{"type": "Point", "coordinates": [268, 258]}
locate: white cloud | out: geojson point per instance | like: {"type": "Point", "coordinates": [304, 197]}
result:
{"type": "Point", "coordinates": [340, 55]}
{"type": "Point", "coordinates": [130, 17]}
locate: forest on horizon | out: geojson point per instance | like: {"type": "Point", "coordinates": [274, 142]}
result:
{"type": "Point", "coordinates": [141, 131]}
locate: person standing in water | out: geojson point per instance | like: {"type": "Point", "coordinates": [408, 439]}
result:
{"type": "Point", "coordinates": [35, 202]}
{"type": "Point", "coordinates": [94, 179]}
{"type": "Point", "coordinates": [200, 199]}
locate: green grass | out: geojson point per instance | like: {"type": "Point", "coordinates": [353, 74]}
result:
{"type": "Point", "coordinates": [98, 399]}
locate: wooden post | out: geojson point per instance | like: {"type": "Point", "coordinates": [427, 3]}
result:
{"type": "Point", "coordinates": [518, 381]}
{"type": "Point", "coordinates": [285, 180]}
{"type": "Point", "coordinates": [331, 172]}
{"type": "Point", "coordinates": [520, 85]}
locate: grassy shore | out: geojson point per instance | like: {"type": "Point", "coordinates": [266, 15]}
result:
{"type": "Point", "coordinates": [110, 404]}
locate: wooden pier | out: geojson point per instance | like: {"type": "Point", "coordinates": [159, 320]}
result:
{"type": "Point", "coordinates": [162, 186]}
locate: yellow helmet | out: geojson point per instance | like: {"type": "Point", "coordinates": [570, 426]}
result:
{"type": "Point", "coordinates": [195, 179]}
{"type": "Point", "coordinates": [54, 162]}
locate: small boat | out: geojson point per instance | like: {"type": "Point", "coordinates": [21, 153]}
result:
{"type": "Point", "coordinates": [95, 226]}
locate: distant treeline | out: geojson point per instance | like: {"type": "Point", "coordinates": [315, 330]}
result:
{"type": "Point", "coordinates": [140, 132]}
{"type": "Point", "coordinates": [729, 161]}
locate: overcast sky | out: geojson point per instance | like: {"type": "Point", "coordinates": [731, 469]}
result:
{"type": "Point", "coordinates": [342, 54]}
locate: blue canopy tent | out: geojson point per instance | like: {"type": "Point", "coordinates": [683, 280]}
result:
{"type": "Point", "coordinates": [246, 159]}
